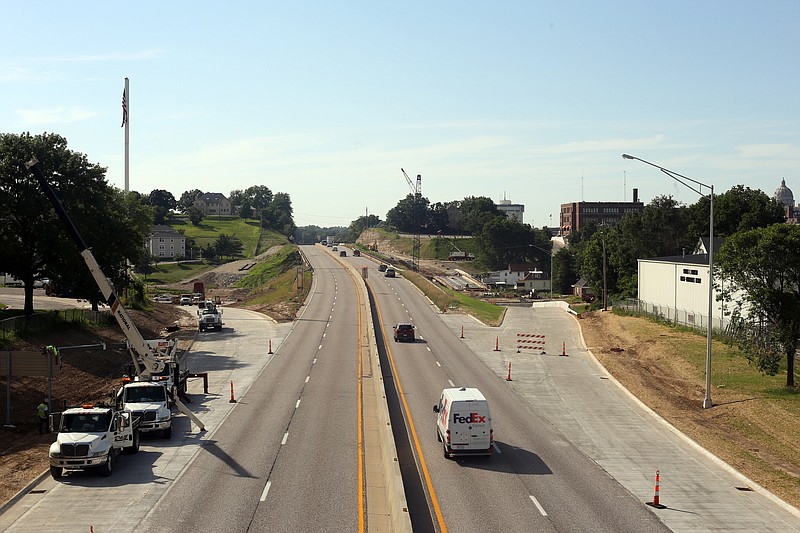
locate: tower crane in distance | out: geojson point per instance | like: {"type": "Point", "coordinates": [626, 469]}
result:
{"type": "Point", "coordinates": [415, 218]}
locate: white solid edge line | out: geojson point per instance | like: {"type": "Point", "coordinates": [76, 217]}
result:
{"type": "Point", "coordinates": [266, 490]}
{"type": "Point", "coordinates": [537, 504]}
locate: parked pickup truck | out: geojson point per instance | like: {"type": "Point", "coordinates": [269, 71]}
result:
{"type": "Point", "coordinates": [91, 436]}
{"type": "Point", "coordinates": [404, 332]}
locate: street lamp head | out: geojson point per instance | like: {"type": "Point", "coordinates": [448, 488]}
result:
{"type": "Point", "coordinates": [626, 156]}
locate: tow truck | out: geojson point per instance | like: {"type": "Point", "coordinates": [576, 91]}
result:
{"type": "Point", "coordinates": [148, 362]}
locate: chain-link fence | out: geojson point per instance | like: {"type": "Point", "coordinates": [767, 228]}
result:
{"type": "Point", "coordinates": [682, 317]}
{"type": "Point", "coordinates": [40, 320]}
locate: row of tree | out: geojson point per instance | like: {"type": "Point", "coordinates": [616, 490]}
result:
{"type": "Point", "coordinates": [34, 243]}
{"type": "Point", "coordinates": [256, 202]}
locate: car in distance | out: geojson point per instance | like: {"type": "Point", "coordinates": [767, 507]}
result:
{"type": "Point", "coordinates": [389, 272]}
{"type": "Point", "coordinates": [403, 331]}
{"type": "Point", "coordinates": [343, 253]}
{"type": "Point", "coordinates": [186, 300]}
{"type": "Point", "coordinates": [335, 248]}
{"type": "Point", "coordinates": [381, 268]}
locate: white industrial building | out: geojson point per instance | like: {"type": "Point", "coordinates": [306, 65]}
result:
{"type": "Point", "coordinates": [676, 287]}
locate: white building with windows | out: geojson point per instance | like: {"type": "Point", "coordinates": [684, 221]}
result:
{"type": "Point", "coordinates": [165, 242]}
{"type": "Point", "coordinates": [512, 211]}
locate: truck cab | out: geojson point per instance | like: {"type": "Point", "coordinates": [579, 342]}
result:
{"type": "Point", "coordinates": [91, 437]}
{"type": "Point", "coordinates": [149, 403]}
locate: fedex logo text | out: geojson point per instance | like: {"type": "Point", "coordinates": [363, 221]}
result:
{"type": "Point", "coordinates": [473, 418]}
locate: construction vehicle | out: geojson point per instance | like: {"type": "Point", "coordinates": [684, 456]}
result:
{"type": "Point", "coordinates": [147, 362]}
{"type": "Point", "coordinates": [209, 317]}
{"type": "Point", "coordinates": [91, 437]}
{"type": "Point", "coordinates": [149, 404]}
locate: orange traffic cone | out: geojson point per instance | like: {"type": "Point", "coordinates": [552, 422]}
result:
{"type": "Point", "coordinates": [655, 503]}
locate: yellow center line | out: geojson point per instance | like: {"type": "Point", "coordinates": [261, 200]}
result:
{"type": "Point", "coordinates": [360, 416]}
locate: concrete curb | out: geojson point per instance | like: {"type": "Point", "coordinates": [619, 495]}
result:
{"type": "Point", "coordinates": [752, 484]}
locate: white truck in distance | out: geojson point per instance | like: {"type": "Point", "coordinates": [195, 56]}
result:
{"type": "Point", "coordinates": [91, 437]}
{"type": "Point", "coordinates": [209, 317]}
{"type": "Point", "coordinates": [148, 402]}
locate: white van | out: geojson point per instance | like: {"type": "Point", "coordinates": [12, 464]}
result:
{"type": "Point", "coordinates": [464, 424]}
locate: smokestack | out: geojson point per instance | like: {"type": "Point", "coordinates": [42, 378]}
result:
{"type": "Point", "coordinates": [635, 195]}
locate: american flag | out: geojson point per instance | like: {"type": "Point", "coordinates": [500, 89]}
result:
{"type": "Point", "coordinates": [124, 108]}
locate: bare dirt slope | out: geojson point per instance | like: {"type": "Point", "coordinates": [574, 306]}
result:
{"type": "Point", "coordinates": [749, 433]}
{"type": "Point", "coordinates": [87, 375]}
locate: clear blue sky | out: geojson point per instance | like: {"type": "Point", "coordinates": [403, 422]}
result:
{"type": "Point", "coordinates": [326, 101]}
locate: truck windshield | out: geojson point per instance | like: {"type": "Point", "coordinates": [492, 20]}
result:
{"type": "Point", "coordinates": [86, 422]}
{"type": "Point", "coordinates": [145, 394]}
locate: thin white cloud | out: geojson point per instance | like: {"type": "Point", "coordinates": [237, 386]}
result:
{"type": "Point", "coordinates": [108, 56]}
{"type": "Point", "coordinates": [777, 150]}
{"type": "Point", "coordinates": [58, 115]}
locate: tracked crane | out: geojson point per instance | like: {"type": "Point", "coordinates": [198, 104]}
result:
{"type": "Point", "coordinates": [417, 190]}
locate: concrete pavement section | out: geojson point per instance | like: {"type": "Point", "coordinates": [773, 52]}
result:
{"type": "Point", "coordinates": [622, 435]}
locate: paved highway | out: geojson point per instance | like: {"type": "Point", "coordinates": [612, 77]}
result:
{"type": "Point", "coordinates": [535, 481]}
{"type": "Point", "coordinates": [287, 457]}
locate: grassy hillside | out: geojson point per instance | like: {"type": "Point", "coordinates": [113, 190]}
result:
{"type": "Point", "coordinates": [205, 233]}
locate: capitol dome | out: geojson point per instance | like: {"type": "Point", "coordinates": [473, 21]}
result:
{"type": "Point", "coordinates": [784, 194]}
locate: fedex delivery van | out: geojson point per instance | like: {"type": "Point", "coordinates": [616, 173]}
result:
{"type": "Point", "coordinates": [463, 424]}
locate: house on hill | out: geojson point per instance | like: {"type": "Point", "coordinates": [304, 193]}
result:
{"type": "Point", "coordinates": [213, 203]}
{"type": "Point", "coordinates": [165, 242]}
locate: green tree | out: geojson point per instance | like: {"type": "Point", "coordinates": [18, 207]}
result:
{"type": "Point", "coordinates": [361, 223]}
{"type": "Point", "coordinates": [410, 215]}
{"type": "Point", "coordinates": [33, 240]}
{"type": "Point", "coordinates": [278, 214]}
{"type": "Point", "coordinates": [162, 201]}
{"type": "Point", "coordinates": [476, 212]}
{"type": "Point", "coordinates": [228, 245]}
{"type": "Point", "coordinates": [503, 241]}
{"type": "Point", "coordinates": [761, 269]}
{"type": "Point", "coordinates": [195, 216]}
{"type": "Point", "coordinates": [738, 209]}
{"type": "Point", "coordinates": [186, 201]}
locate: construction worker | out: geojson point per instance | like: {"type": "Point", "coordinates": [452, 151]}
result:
{"type": "Point", "coordinates": [42, 410]}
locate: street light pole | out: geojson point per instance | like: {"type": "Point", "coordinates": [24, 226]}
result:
{"type": "Point", "coordinates": [680, 179]}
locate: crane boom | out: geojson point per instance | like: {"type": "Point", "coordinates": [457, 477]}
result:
{"type": "Point", "coordinates": [140, 350]}
{"type": "Point", "coordinates": [415, 246]}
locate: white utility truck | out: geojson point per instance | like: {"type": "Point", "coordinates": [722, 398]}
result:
{"type": "Point", "coordinates": [91, 437]}
{"type": "Point", "coordinates": [209, 317]}
{"type": "Point", "coordinates": [464, 424]}
{"type": "Point", "coordinates": [148, 361]}
{"type": "Point", "coordinates": [149, 404]}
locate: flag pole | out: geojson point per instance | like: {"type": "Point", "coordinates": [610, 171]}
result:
{"type": "Point", "coordinates": [126, 104]}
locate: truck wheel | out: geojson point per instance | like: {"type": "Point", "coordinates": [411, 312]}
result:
{"type": "Point", "coordinates": [134, 447]}
{"type": "Point", "coordinates": [108, 468]}
{"type": "Point", "coordinates": [167, 433]}
{"type": "Point", "coordinates": [56, 472]}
